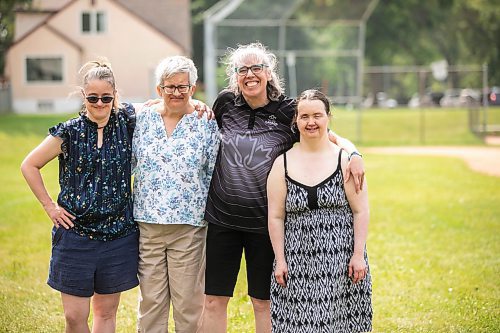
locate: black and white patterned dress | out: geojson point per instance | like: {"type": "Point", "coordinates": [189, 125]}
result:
{"type": "Point", "coordinates": [319, 243]}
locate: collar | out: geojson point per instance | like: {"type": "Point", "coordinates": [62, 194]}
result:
{"type": "Point", "coordinates": [272, 106]}
{"type": "Point", "coordinates": [89, 122]}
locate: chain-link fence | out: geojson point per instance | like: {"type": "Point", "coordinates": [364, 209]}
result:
{"type": "Point", "coordinates": [462, 86]}
{"type": "Point", "coordinates": [319, 44]}
{"type": "Point", "coordinates": [419, 86]}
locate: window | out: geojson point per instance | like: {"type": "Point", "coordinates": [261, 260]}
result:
{"type": "Point", "coordinates": [85, 22]}
{"type": "Point", "coordinates": [93, 22]}
{"type": "Point", "coordinates": [100, 21]}
{"type": "Point", "coordinates": [44, 69]}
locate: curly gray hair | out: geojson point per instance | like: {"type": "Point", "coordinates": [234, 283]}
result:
{"type": "Point", "coordinates": [256, 52]}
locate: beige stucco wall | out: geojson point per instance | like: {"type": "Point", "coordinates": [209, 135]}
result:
{"type": "Point", "coordinates": [49, 4]}
{"type": "Point", "coordinates": [26, 22]}
{"type": "Point", "coordinates": [133, 48]}
{"type": "Point", "coordinates": [26, 96]}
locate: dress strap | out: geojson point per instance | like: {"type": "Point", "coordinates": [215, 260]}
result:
{"type": "Point", "coordinates": [339, 163]}
{"type": "Point", "coordinates": [284, 162]}
{"type": "Point", "coordinates": [340, 155]}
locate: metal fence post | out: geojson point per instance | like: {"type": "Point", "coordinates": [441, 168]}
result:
{"type": "Point", "coordinates": [485, 98]}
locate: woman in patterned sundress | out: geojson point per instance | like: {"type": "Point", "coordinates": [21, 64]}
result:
{"type": "Point", "coordinates": [318, 227]}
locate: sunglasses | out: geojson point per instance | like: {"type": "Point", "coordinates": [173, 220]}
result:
{"type": "Point", "coordinates": [95, 99]}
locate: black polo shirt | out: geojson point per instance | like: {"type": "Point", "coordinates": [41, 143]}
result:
{"type": "Point", "coordinates": [251, 140]}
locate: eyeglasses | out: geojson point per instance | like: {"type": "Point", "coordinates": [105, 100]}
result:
{"type": "Point", "coordinates": [95, 99]}
{"type": "Point", "coordinates": [256, 69]}
{"type": "Point", "coordinates": [182, 89]}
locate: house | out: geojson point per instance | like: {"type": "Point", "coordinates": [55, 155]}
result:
{"type": "Point", "coordinates": [53, 38]}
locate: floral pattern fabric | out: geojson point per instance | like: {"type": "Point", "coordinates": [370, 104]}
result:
{"type": "Point", "coordinates": [96, 182]}
{"type": "Point", "coordinates": [172, 173]}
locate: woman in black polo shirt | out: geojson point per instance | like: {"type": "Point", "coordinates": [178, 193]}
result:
{"type": "Point", "coordinates": [255, 120]}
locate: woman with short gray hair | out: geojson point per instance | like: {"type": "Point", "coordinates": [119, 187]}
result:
{"type": "Point", "coordinates": [173, 158]}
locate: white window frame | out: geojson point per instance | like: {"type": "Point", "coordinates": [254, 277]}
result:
{"type": "Point", "coordinates": [93, 14]}
{"type": "Point", "coordinates": [44, 82]}
{"type": "Point", "coordinates": [104, 26]}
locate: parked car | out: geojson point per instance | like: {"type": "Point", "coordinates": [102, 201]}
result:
{"type": "Point", "coordinates": [417, 101]}
{"type": "Point", "coordinates": [435, 97]}
{"type": "Point", "coordinates": [428, 99]}
{"type": "Point", "coordinates": [384, 102]}
{"type": "Point", "coordinates": [469, 97]}
{"type": "Point", "coordinates": [460, 98]}
{"type": "Point", "coordinates": [493, 96]}
{"type": "Point", "coordinates": [451, 98]}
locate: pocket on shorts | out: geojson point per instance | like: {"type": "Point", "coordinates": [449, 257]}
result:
{"type": "Point", "coordinates": [57, 235]}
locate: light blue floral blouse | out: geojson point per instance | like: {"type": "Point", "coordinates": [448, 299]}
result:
{"type": "Point", "coordinates": [172, 173]}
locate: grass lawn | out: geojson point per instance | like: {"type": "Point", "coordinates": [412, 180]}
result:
{"type": "Point", "coordinates": [399, 127]}
{"type": "Point", "coordinates": [433, 243]}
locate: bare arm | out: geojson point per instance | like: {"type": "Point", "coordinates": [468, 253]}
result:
{"type": "Point", "coordinates": [361, 213]}
{"type": "Point", "coordinates": [30, 168]}
{"type": "Point", "coordinates": [356, 166]}
{"type": "Point", "coordinates": [276, 195]}
{"type": "Point", "coordinates": [341, 142]}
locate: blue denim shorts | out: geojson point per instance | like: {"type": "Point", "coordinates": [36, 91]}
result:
{"type": "Point", "coordinates": [81, 266]}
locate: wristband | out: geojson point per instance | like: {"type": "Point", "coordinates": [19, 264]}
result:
{"type": "Point", "coordinates": [354, 153]}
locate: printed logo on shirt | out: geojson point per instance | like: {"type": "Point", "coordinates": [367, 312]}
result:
{"type": "Point", "coordinates": [244, 151]}
{"type": "Point", "coordinates": [272, 121]}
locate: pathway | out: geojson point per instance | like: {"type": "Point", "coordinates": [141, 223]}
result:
{"type": "Point", "coordinates": [478, 158]}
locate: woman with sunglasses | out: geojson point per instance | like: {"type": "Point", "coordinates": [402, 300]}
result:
{"type": "Point", "coordinates": [94, 238]}
{"type": "Point", "coordinates": [255, 121]}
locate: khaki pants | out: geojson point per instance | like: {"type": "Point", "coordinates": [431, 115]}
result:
{"type": "Point", "coordinates": [171, 269]}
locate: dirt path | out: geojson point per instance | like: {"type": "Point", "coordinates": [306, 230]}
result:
{"type": "Point", "coordinates": [481, 159]}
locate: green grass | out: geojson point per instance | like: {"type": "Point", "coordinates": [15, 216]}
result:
{"type": "Point", "coordinates": [398, 127]}
{"type": "Point", "coordinates": [433, 242]}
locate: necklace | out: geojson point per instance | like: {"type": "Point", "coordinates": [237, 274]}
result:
{"type": "Point", "coordinates": [101, 127]}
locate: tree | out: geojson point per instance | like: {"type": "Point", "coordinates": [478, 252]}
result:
{"type": "Point", "coordinates": [198, 7]}
{"type": "Point", "coordinates": [480, 26]}
{"type": "Point", "coordinates": [7, 16]}
{"type": "Point", "coordinates": [419, 32]}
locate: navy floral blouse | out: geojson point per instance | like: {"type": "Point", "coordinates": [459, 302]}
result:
{"type": "Point", "coordinates": [95, 182]}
